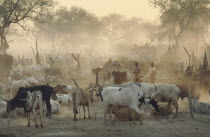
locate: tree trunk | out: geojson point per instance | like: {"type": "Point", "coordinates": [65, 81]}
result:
{"type": "Point", "coordinates": [3, 45]}
{"type": "Point", "coordinates": [38, 62]}
{"type": "Point", "coordinates": [77, 59]}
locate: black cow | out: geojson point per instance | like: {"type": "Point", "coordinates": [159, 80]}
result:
{"type": "Point", "coordinates": [17, 101]}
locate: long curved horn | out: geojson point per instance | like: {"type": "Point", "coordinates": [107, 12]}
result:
{"type": "Point", "coordinates": [4, 99]}
{"type": "Point", "coordinates": [104, 80]}
{"type": "Point", "coordinates": [97, 84]}
{"type": "Point", "coordinates": [75, 82]}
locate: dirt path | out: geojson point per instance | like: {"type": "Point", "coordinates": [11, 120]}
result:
{"type": "Point", "coordinates": [61, 125]}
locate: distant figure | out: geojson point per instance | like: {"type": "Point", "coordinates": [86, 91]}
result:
{"type": "Point", "coordinates": [194, 61]}
{"type": "Point", "coordinates": [152, 73]}
{"type": "Point", "coordinates": [116, 65]}
{"type": "Point", "coordinates": [51, 62]}
{"type": "Point", "coordinates": [136, 71]}
{"type": "Point", "coordinates": [38, 58]}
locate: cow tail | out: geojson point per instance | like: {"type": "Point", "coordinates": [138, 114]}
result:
{"type": "Point", "coordinates": [155, 88]}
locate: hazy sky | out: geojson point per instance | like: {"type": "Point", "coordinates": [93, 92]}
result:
{"type": "Point", "coordinates": [129, 8]}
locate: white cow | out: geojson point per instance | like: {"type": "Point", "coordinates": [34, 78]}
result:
{"type": "Point", "coordinates": [27, 82]}
{"type": "Point", "coordinates": [16, 75]}
{"type": "Point", "coordinates": [167, 93]}
{"type": "Point", "coordinates": [55, 107]}
{"type": "Point", "coordinates": [130, 97]}
{"type": "Point", "coordinates": [148, 89]}
{"type": "Point", "coordinates": [64, 99]}
{"type": "Point", "coordinates": [34, 104]}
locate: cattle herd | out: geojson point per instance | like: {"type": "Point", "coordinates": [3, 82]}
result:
{"type": "Point", "coordinates": [135, 97]}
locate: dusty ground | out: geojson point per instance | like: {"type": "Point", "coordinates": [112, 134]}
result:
{"type": "Point", "coordinates": [62, 125]}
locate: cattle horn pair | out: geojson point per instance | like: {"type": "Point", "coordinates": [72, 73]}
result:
{"type": "Point", "coordinates": [75, 82]}
{"type": "Point", "coordinates": [4, 99]}
{"type": "Point", "coordinates": [97, 84]}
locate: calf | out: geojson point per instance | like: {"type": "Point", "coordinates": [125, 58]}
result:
{"type": "Point", "coordinates": [34, 104]}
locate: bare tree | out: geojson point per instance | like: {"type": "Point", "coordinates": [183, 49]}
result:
{"type": "Point", "coordinates": [77, 59]}
{"type": "Point", "coordinates": [36, 53]}
{"type": "Point", "coordinates": [16, 12]}
{"type": "Point", "coordinates": [55, 55]}
{"type": "Point", "coordinates": [191, 86]}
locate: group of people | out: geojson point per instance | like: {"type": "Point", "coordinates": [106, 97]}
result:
{"type": "Point", "coordinates": [136, 69]}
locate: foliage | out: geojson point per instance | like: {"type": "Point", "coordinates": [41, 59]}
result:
{"type": "Point", "coordinates": [179, 16]}
{"type": "Point", "coordinates": [16, 12]}
{"type": "Point", "coordinates": [74, 23]}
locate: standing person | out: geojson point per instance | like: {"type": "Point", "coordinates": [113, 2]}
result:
{"type": "Point", "coordinates": [51, 62]}
{"type": "Point", "coordinates": [194, 61]}
{"type": "Point", "coordinates": [38, 61]}
{"type": "Point", "coordinates": [136, 71]}
{"type": "Point", "coordinates": [152, 73]}
{"type": "Point", "coordinates": [116, 65]}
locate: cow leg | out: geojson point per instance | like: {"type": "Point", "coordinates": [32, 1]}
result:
{"type": "Point", "coordinates": [35, 120]}
{"type": "Point", "coordinates": [75, 113]}
{"type": "Point", "coordinates": [116, 114]}
{"type": "Point", "coordinates": [88, 108]}
{"type": "Point", "coordinates": [177, 107]}
{"type": "Point", "coordinates": [84, 111]}
{"type": "Point", "coordinates": [136, 109]}
{"type": "Point", "coordinates": [28, 114]}
{"type": "Point", "coordinates": [79, 112]}
{"type": "Point", "coordinates": [69, 103]}
{"type": "Point", "coordinates": [48, 108]}
{"type": "Point", "coordinates": [105, 113]}
{"type": "Point", "coordinates": [167, 111]}
{"type": "Point", "coordinates": [40, 111]}
{"type": "Point", "coordinates": [133, 116]}
{"type": "Point", "coordinates": [110, 113]}
{"type": "Point", "coordinates": [41, 119]}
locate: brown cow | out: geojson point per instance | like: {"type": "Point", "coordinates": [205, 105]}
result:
{"type": "Point", "coordinates": [119, 77]}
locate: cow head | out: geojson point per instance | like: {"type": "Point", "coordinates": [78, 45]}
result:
{"type": "Point", "coordinates": [155, 105]}
{"type": "Point", "coordinates": [29, 101]}
{"type": "Point", "coordinates": [141, 99]}
{"type": "Point", "coordinates": [17, 101]}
